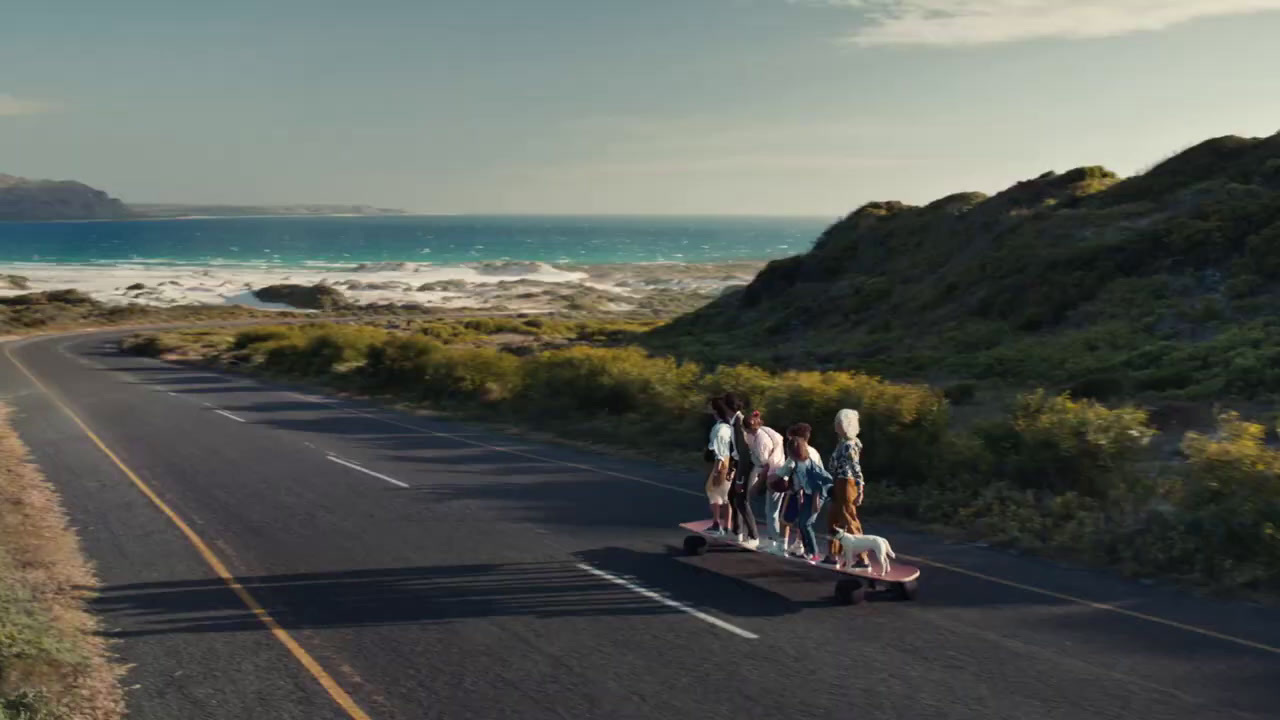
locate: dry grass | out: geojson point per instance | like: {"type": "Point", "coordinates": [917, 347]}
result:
{"type": "Point", "coordinates": [53, 663]}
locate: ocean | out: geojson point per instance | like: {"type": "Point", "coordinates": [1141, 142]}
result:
{"type": "Point", "coordinates": [500, 263]}
{"type": "Point", "coordinates": [437, 240]}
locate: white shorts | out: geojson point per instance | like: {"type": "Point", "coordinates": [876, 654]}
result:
{"type": "Point", "coordinates": [718, 493]}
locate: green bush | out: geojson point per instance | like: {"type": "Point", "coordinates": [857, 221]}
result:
{"type": "Point", "coordinates": [1231, 500]}
{"type": "Point", "coordinates": [493, 326]}
{"type": "Point", "coordinates": [447, 331]}
{"type": "Point", "coordinates": [317, 349]}
{"type": "Point", "coordinates": [258, 335]}
{"type": "Point", "coordinates": [400, 362]}
{"type": "Point", "coordinates": [609, 381]}
{"type": "Point", "coordinates": [148, 345]}
{"type": "Point", "coordinates": [475, 375]}
{"type": "Point", "coordinates": [1060, 445]}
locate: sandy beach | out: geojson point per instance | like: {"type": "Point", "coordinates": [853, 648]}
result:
{"type": "Point", "coordinates": [508, 286]}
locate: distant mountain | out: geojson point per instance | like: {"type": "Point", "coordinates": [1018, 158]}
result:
{"type": "Point", "coordinates": [25, 199]}
{"type": "Point", "coordinates": [173, 210]}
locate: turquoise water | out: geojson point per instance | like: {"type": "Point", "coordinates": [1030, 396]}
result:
{"type": "Point", "coordinates": [440, 240]}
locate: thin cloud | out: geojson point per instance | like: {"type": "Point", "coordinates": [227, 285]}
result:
{"type": "Point", "coordinates": [759, 165]}
{"type": "Point", "coordinates": [982, 22]}
{"type": "Point", "coordinates": [10, 105]}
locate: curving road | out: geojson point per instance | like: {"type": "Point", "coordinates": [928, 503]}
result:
{"type": "Point", "coordinates": [265, 553]}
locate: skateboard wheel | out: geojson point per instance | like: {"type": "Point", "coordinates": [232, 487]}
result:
{"type": "Point", "coordinates": [909, 590]}
{"type": "Point", "coordinates": [695, 545]}
{"type": "Point", "coordinates": [851, 592]}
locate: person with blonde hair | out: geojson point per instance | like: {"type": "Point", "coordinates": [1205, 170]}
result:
{"type": "Point", "coordinates": [849, 489]}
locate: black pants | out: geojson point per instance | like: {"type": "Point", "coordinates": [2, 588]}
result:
{"type": "Point", "coordinates": [740, 501]}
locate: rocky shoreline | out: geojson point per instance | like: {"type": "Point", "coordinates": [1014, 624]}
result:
{"type": "Point", "coordinates": [658, 288]}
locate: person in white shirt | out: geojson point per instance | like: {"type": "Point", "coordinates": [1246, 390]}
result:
{"type": "Point", "coordinates": [718, 481]}
{"type": "Point", "coordinates": [768, 454]}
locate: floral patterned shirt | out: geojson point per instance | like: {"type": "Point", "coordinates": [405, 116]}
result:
{"type": "Point", "coordinates": [846, 461]}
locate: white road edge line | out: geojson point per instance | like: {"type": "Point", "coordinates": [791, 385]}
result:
{"type": "Point", "coordinates": [366, 471]}
{"type": "Point", "coordinates": [669, 602]}
{"type": "Point", "coordinates": [233, 417]}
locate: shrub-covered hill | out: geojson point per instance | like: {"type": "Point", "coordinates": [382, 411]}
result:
{"type": "Point", "coordinates": [1162, 283]}
{"type": "Point", "coordinates": [25, 199]}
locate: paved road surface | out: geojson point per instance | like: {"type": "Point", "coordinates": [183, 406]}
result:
{"type": "Point", "coordinates": [420, 568]}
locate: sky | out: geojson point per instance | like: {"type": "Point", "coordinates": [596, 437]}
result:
{"type": "Point", "coordinates": [774, 107]}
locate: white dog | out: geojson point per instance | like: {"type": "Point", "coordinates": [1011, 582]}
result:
{"type": "Point", "coordinates": [851, 546]}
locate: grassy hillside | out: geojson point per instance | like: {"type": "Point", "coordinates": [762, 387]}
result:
{"type": "Point", "coordinates": [1162, 284]}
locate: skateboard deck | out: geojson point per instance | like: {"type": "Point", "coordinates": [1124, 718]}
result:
{"type": "Point", "coordinates": [852, 589]}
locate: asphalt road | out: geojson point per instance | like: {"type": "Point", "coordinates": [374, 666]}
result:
{"type": "Point", "coordinates": [424, 568]}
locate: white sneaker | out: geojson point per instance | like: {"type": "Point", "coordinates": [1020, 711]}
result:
{"type": "Point", "coordinates": [741, 538]}
{"type": "Point", "coordinates": [751, 543]}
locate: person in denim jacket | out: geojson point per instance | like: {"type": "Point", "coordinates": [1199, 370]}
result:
{"type": "Point", "coordinates": [811, 484]}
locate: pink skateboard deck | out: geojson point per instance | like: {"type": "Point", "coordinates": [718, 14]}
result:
{"type": "Point", "coordinates": [900, 577]}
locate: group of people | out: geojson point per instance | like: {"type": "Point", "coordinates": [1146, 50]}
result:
{"type": "Point", "coordinates": [749, 458]}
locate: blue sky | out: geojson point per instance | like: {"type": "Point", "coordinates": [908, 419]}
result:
{"type": "Point", "coordinates": [619, 106]}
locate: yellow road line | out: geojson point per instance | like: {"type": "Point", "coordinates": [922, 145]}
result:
{"type": "Point", "coordinates": [326, 681]}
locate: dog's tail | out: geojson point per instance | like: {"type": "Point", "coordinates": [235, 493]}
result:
{"type": "Point", "coordinates": [889, 551]}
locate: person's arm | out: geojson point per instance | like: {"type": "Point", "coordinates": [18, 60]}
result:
{"type": "Point", "coordinates": [788, 469]}
{"type": "Point", "coordinates": [857, 473]}
{"type": "Point", "coordinates": [824, 477]}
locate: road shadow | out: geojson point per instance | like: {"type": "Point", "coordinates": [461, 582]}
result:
{"type": "Point", "coordinates": [555, 497]}
{"type": "Point", "coordinates": [187, 379]}
{"type": "Point", "coordinates": [735, 589]}
{"type": "Point", "coordinates": [417, 595]}
{"type": "Point", "coordinates": [215, 390]}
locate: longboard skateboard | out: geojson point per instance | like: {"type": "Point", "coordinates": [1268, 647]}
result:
{"type": "Point", "coordinates": [850, 590]}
